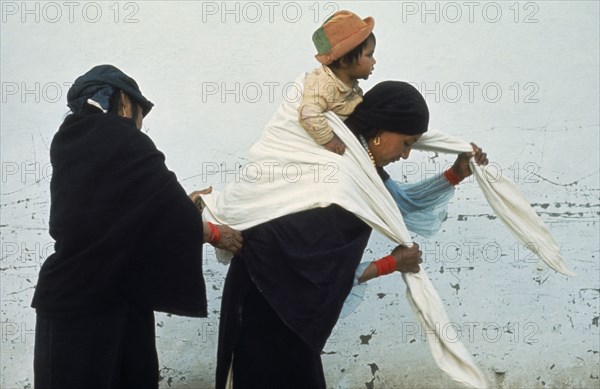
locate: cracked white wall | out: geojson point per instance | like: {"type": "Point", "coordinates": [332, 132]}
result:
{"type": "Point", "coordinates": [518, 78]}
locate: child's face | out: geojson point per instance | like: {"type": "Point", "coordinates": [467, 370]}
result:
{"type": "Point", "coordinates": [363, 68]}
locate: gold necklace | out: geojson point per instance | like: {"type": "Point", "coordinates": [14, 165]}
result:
{"type": "Point", "coordinates": [366, 146]}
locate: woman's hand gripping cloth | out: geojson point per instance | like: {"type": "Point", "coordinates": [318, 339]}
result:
{"type": "Point", "coordinates": [506, 200]}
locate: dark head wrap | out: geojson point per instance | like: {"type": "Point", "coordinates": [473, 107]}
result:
{"type": "Point", "coordinates": [99, 84]}
{"type": "Point", "coordinates": [390, 105]}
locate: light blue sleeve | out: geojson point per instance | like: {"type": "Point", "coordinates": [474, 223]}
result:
{"type": "Point", "coordinates": [357, 293]}
{"type": "Point", "coordinates": [423, 204]}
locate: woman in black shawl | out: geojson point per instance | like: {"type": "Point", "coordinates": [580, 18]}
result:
{"type": "Point", "coordinates": [128, 242]}
{"type": "Point", "coordinates": [285, 290]}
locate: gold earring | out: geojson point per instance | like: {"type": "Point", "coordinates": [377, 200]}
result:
{"type": "Point", "coordinates": [377, 141]}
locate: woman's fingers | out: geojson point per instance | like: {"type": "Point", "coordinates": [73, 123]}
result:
{"type": "Point", "coordinates": [479, 156]}
{"type": "Point", "coordinates": [408, 258]}
{"type": "Point", "coordinates": [197, 193]}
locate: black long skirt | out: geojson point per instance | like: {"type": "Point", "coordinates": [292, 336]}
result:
{"type": "Point", "coordinates": [259, 348]}
{"type": "Point", "coordinates": [115, 349]}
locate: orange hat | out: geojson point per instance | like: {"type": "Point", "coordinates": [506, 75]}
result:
{"type": "Point", "coordinates": [340, 34]}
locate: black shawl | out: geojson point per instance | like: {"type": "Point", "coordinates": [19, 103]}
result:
{"type": "Point", "coordinates": [304, 265]}
{"type": "Point", "coordinates": [124, 228]}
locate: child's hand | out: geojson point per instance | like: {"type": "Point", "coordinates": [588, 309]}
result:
{"type": "Point", "coordinates": [336, 145]}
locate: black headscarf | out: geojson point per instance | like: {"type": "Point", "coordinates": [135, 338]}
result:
{"type": "Point", "coordinates": [390, 105]}
{"type": "Point", "coordinates": [99, 84]}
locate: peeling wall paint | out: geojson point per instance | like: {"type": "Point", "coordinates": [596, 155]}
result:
{"type": "Point", "coordinates": [522, 83]}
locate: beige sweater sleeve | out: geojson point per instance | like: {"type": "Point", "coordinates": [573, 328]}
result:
{"type": "Point", "coordinates": [314, 104]}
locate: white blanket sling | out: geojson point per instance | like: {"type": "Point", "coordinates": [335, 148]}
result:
{"type": "Point", "coordinates": [288, 172]}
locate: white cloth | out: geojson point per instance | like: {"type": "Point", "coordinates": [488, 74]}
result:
{"type": "Point", "coordinates": [288, 173]}
{"type": "Point", "coordinates": [506, 200]}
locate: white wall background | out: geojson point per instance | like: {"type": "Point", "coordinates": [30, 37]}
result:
{"type": "Point", "coordinates": [519, 78]}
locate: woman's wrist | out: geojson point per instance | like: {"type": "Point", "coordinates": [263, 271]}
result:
{"type": "Point", "coordinates": [378, 268]}
{"type": "Point", "coordinates": [205, 232]}
{"type": "Point", "coordinates": [452, 176]}
{"type": "Point", "coordinates": [368, 274]}
{"type": "Point", "coordinates": [385, 265]}
{"type": "Point", "coordinates": [211, 233]}
{"type": "Point", "coordinates": [214, 233]}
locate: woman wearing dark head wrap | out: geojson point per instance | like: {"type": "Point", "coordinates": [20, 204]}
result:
{"type": "Point", "coordinates": [128, 242]}
{"type": "Point", "coordinates": [286, 289]}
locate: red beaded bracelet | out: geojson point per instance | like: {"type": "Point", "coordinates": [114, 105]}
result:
{"type": "Point", "coordinates": [385, 265]}
{"type": "Point", "coordinates": [215, 233]}
{"type": "Point", "coordinates": [452, 177]}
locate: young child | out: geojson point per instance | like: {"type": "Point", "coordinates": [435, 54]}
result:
{"type": "Point", "coordinates": [345, 45]}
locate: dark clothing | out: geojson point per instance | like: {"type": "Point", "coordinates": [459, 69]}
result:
{"type": "Point", "coordinates": [263, 342]}
{"type": "Point", "coordinates": [128, 242]}
{"type": "Point", "coordinates": [301, 267]}
{"type": "Point", "coordinates": [124, 227]}
{"type": "Point", "coordinates": [112, 350]}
